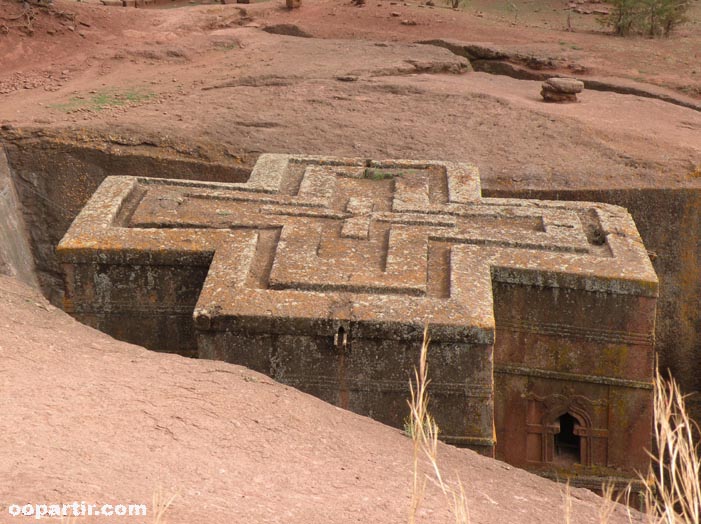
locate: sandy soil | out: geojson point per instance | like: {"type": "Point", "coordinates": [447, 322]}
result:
{"type": "Point", "coordinates": [204, 75]}
{"type": "Point", "coordinates": [535, 27]}
{"type": "Point", "coordinates": [88, 418]}
{"type": "Point", "coordinates": [210, 72]}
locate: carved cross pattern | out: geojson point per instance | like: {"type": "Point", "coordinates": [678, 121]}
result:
{"type": "Point", "coordinates": [324, 240]}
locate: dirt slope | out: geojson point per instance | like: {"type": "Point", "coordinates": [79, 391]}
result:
{"type": "Point", "coordinates": [535, 27]}
{"type": "Point", "coordinates": [88, 418]}
{"type": "Point", "coordinates": [201, 73]}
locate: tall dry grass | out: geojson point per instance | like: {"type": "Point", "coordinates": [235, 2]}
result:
{"type": "Point", "coordinates": [612, 499]}
{"type": "Point", "coordinates": [672, 486]}
{"type": "Point", "coordinates": [424, 434]}
{"type": "Point", "coordinates": [673, 494]}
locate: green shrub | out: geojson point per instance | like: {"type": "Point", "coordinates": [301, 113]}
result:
{"type": "Point", "coordinates": [647, 17]}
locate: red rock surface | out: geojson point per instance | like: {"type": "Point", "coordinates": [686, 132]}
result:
{"type": "Point", "coordinates": [200, 73]}
{"type": "Point", "coordinates": [88, 418]}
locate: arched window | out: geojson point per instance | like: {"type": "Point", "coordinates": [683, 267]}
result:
{"type": "Point", "coordinates": [567, 442]}
{"type": "Point", "coordinates": [340, 339]}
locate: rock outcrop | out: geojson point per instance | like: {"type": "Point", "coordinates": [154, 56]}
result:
{"type": "Point", "coordinates": [561, 89]}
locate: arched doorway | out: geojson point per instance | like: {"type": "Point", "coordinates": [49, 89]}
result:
{"type": "Point", "coordinates": [567, 441]}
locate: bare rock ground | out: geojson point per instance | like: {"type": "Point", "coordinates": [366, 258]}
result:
{"type": "Point", "coordinates": [88, 418]}
{"type": "Point", "coordinates": [201, 73]}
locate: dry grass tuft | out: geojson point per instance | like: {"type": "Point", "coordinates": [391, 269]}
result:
{"type": "Point", "coordinates": [424, 433]}
{"type": "Point", "coordinates": [674, 490]}
{"type": "Point", "coordinates": [566, 493]}
{"type": "Point", "coordinates": [613, 501]}
{"type": "Point", "coordinates": [673, 487]}
{"type": "Point", "coordinates": [160, 504]}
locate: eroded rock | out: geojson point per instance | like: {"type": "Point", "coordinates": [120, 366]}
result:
{"type": "Point", "coordinates": [561, 89]}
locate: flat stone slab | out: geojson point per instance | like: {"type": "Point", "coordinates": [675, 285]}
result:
{"type": "Point", "coordinates": [561, 89]}
{"type": "Point", "coordinates": [570, 86]}
{"type": "Point", "coordinates": [323, 272]}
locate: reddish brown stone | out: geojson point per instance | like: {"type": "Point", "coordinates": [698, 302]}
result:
{"type": "Point", "coordinates": [561, 89]}
{"type": "Point", "coordinates": [322, 273]}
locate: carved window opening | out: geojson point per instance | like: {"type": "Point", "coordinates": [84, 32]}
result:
{"type": "Point", "coordinates": [560, 431]}
{"type": "Point", "coordinates": [567, 441]}
{"type": "Point", "coordinates": [340, 339]}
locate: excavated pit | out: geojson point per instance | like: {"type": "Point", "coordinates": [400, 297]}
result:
{"type": "Point", "coordinates": [52, 180]}
{"type": "Point", "coordinates": [49, 178]}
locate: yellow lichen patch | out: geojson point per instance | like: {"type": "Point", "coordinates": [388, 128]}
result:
{"type": "Point", "coordinates": [613, 360]}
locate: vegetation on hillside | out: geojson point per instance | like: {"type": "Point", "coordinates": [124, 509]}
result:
{"type": "Point", "coordinates": [652, 18]}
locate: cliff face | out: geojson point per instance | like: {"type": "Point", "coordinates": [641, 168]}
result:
{"type": "Point", "coordinates": [15, 254]}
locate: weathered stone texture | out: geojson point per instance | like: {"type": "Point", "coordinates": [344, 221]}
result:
{"type": "Point", "coordinates": [588, 354]}
{"type": "Point", "coordinates": [561, 89]}
{"type": "Point", "coordinates": [669, 221]}
{"type": "Point", "coordinates": [322, 273]}
{"type": "Point", "coordinates": [15, 252]}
